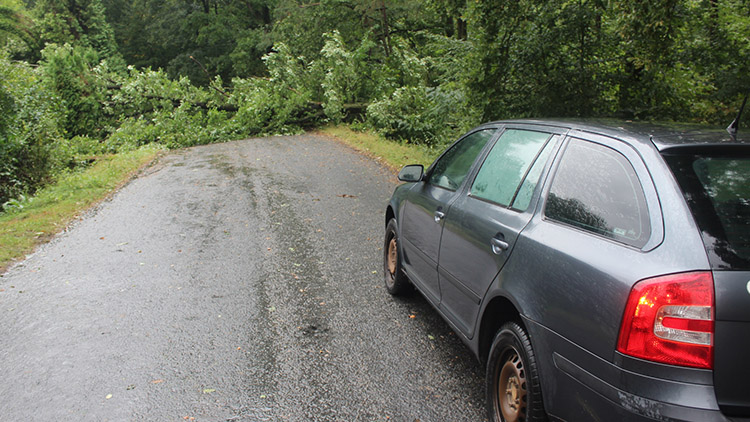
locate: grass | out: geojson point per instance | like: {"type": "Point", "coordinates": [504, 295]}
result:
{"type": "Point", "coordinates": [55, 206]}
{"type": "Point", "coordinates": [393, 154]}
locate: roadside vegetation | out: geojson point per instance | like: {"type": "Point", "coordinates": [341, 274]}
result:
{"type": "Point", "coordinates": [30, 221]}
{"type": "Point", "coordinates": [394, 155]}
{"type": "Point", "coordinates": [86, 82]}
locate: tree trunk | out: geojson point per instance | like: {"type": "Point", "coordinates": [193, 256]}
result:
{"type": "Point", "coordinates": [386, 29]}
{"type": "Point", "coordinates": [449, 30]}
{"type": "Point", "coordinates": [461, 29]}
{"type": "Point", "coordinates": [266, 11]}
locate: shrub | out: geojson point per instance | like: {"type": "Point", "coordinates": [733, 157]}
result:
{"type": "Point", "coordinates": [30, 117]}
{"type": "Point", "coordinates": [403, 115]}
{"type": "Point", "coordinates": [420, 115]}
{"type": "Point", "coordinates": [68, 72]}
{"type": "Point", "coordinates": [79, 151]}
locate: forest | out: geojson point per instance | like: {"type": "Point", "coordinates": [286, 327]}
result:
{"type": "Point", "coordinates": [85, 78]}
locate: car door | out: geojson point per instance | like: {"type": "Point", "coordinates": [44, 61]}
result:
{"type": "Point", "coordinates": [482, 224]}
{"type": "Point", "coordinates": [426, 205]}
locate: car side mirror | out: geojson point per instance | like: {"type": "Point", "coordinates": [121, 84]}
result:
{"type": "Point", "coordinates": [411, 173]}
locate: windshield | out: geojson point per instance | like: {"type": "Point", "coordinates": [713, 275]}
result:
{"type": "Point", "coordinates": [717, 190]}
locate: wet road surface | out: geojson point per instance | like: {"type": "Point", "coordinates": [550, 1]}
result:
{"type": "Point", "coordinates": [230, 282]}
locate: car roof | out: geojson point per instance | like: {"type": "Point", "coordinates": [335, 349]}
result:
{"type": "Point", "coordinates": [664, 136]}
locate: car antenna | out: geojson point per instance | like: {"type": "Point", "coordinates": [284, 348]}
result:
{"type": "Point", "coordinates": [732, 128]}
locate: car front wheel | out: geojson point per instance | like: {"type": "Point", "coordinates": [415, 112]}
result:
{"type": "Point", "coordinates": [513, 388]}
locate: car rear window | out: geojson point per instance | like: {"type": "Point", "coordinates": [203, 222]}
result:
{"type": "Point", "coordinates": [717, 190]}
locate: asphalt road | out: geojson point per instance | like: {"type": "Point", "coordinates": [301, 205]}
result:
{"type": "Point", "coordinates": [230, 282]}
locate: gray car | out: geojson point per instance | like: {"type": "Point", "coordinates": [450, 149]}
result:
{"type": "Point", "coordinates": [601, 271]}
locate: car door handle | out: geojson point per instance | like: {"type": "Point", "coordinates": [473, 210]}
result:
{"type": "Point", "coordinates": [498, 245]}
{"type": "Point", "coordinates": [439, 215]}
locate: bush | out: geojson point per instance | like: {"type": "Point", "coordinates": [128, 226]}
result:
{"type": "Point", "coordinates": [420, 115]}
{"type": "Point", "coordinates": [79, 151]}
{"type": "Point", "coordinates": [403, 116]}
{"type": "Point", "coordinates": [68, 72]}
{"type": "Point", "coordinates": [30, 117]}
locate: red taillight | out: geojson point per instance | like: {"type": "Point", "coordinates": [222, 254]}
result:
{"type": "Point", "coordinates": [670, 319]}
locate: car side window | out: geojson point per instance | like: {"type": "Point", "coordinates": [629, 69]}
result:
{"type": "Point", "coordinates": [507, 164]}
{"type": "Point", "coordinates": [523, 197]}
{"type": "Point", "coordinates": [596, 189]}
{"type": "Point", "coordinates": [451, 170]}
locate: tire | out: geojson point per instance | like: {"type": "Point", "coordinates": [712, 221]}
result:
{"type": "Point", "coordinates": [396, 281]}
{"type": "Point", "coordinates": [514, 392]}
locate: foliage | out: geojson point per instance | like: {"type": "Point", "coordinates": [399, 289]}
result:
{"type": "Point", "coordinates": [283, 100]}
{"type": "Point", "coordinates": [247, 56]}
{"type": "Point", "coordinates": [30, 118]}
{"type": "Point", "coordinates": [346, 74]}
{"type": "Point", "coordinates": [145, 91]}
{"type": "Point", "coordinates": [292, 82]}
{"type": "Point", "coordinates": [419, 114]}
{"type": "Point", "coordinates": [352, 19]}
{"type": "Point", "coordinates": [18, 32]}
{"type": "Point", "coordinates": [404, 115]}
{"type": "Point", "coordinates": [227, 38]}
{"type": "Point", "coordinates": [256, 103]}
{"type": "Point", "coordinates": [666, 59]}
{"type": "Point", "coordinates": [418, 72]}
{"type": "Point", "coordinates": [68, 72]}
{"type": "Point", "coordinates": [184, 126]}
{"type": "Point", "coordinates": [645, 60]}
{"type": "Point", "coordinates": [80, 23]}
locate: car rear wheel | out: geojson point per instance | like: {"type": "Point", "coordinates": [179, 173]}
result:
{"type": "Point", "coordinates": [513, 389]}
{"type": "Point", "coordinates": [396, 281]}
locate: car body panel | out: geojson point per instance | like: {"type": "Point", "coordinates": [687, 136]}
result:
{"type": "Point", "coordinates": [470, 255]}
{"type": "Point", "coordinates": [468, 264]}
{"type": "Point", "coordinates": [421, 234]}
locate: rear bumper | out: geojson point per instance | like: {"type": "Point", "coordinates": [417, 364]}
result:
{"type": "Point", "coordinates": [580, 386]}
{"type": "Point", "coordinates": [604, 399]}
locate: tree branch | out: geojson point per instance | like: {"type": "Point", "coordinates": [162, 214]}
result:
{"type": "Point", "coordinates": [209, 77]}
